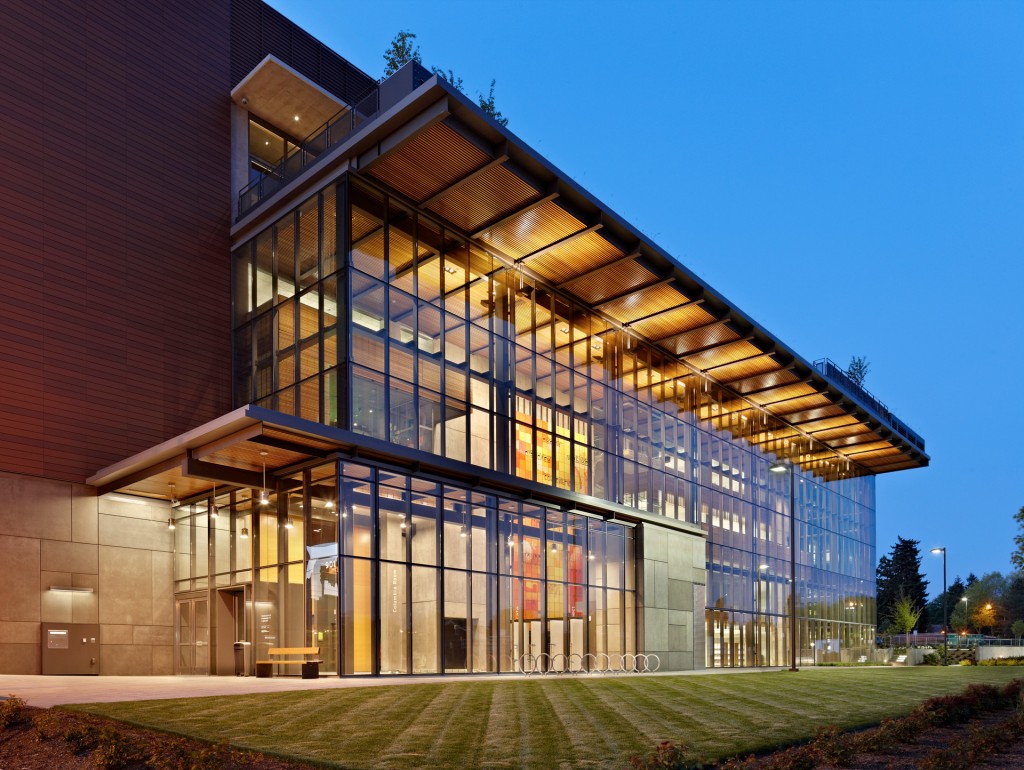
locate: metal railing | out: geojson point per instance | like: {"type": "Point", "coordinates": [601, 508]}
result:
{"type": "Point", "coordinates": [312, 149]}
{"type": "Point", "coordinates": [837, 374]}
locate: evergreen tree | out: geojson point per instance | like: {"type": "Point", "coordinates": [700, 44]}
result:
{"type": "Point", "coordinates": [899, 575]}
{"type": "Point", "coordinates": [1017, 557]}
{"type": "Point", "coordinates": [952, 596]}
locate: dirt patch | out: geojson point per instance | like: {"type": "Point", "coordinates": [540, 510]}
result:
{"type": "Point", "coordinates": [54, 739]}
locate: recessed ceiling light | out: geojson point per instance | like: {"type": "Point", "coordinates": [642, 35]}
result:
{"type": "Point", "coordinates": [449, 269]}
{"type": "Point", "coordinates": [564, 329]}
{"type": "Point", "coordinates": [296, 117]}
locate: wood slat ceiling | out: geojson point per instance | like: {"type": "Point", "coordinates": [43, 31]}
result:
{"type": "Point", "coordinates": [524, 221]}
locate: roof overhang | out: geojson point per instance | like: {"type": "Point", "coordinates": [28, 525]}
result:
{"type": "Point", "coordinates": [439, 152]}
{"type": "Point", "coordinates": [251, 446]}
{"type": "Point", "coordinates": [284, 98]}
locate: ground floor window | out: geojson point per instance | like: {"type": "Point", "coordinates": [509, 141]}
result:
{"type": "Point", "coordinates": [389, 573]}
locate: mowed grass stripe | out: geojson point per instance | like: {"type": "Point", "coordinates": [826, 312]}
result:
{"type": "Point", "coordinates": [506, 724]}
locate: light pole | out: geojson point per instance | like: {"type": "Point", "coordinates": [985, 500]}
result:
{"type": "Point", "coordinates": [967, 614]}
{"type": "Point", "coordinates": [945, 631]}
{"type": "Point", "coordinates": [781, 467]}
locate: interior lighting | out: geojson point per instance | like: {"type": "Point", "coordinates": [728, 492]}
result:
{"type": "Point", "coordinates": [288, 523]}
{"type": "Point", "coordinates": [329, 504]}
{"type": "Point", "coordinates": [170, 523]}
{"type": "Point", "coordinates": [213, 504]}
{"type": "Point", "coordinates": [778, 467]}
{"type": "Point", "coordinates": [244, 534]}
{"type": "Point", "coordinates": [563, 329]}
{"type": "Point", "coordinates": [72, 589]}
{"type": "Point", "coordinates": [590, 555]}
{"type": "Point", "coordinates": [296, 118]}
{"type": "Point", "coordinates": [264, 495]}
{"type": "Point", "coordinates": [449, 269]}
{"type": "Point", "coordinates": [462, 532]}
{"type": "Point", "coordinates": [174, 497]}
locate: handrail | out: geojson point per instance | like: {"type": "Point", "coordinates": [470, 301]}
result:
{"type": "Point", "coordinates": [310, 150]}
{"type": "Point", "coordinates": [837, 374]}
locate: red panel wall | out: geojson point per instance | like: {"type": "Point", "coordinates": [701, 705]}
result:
{"type": "Point", "coordinates": [114, 217]}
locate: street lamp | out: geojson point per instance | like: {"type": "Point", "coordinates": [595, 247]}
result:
{"type": "Point", "coordinates": [781, 467]}
{"type": "Point", "coordinates": [967, 614]}
{"type": "Point", "coordinates": [945, 618]}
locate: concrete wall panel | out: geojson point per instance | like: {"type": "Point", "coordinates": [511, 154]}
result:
{"type": "Point", "coordinates": [670, 619]}
{"type": "Point", "coordinates": [33, 507]}
{"type": "Point", "coordinates": [19, 576]}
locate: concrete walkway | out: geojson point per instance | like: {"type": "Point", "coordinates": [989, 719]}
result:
{"type": "Point", "coordinates": [45, 691]}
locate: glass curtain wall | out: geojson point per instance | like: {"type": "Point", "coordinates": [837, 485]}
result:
{"type": "Point", "coordinates": [446, 350]}
{"type": "Point", "coordinates": [392, 574]}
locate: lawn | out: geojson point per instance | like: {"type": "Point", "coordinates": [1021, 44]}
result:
{"type": "Point", "coordinates": [551, 723]}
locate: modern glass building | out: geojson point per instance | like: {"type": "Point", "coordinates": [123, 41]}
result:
{"type": "Point", "coordinates": [479, 423]}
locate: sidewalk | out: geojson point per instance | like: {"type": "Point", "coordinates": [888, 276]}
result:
{"type": "Point", "coordinates": [45, 691]}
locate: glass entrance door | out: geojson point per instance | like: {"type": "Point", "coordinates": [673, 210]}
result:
{"type": "Point", "coordinates": [192, 631]}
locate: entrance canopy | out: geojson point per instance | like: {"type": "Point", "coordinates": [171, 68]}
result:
{"type": "Point", "coordinates": [233, 450]}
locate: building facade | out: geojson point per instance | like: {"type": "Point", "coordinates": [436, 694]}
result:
{"type": "Point", "coordinates": [434, 408]}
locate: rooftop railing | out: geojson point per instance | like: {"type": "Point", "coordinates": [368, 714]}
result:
{"type": "Point", "coordinates": [379, 98]}
{"type": "Point", "coordinates": [312, 149]}
{"type": "Point", "coordinates": [837, 374]}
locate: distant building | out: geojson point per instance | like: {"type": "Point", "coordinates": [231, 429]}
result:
{"type": "Point", "coordinates": [405, 391]}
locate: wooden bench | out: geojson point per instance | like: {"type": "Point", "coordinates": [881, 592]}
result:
{"type": "Point", "coordinates": [310, 668]}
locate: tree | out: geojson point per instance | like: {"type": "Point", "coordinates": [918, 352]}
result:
{"type": "Point", "coordinates": [1018, 628]}
{"type": "Point", "coordinates": [450, 76]}
{"type": "Point", "coordinates": [904, 615]}
{"type": "Point", "coordinates": [487, 105]}
{"type": "Point", "coordinates": [952, 596]}
{"type": "Point", "coordinates": [899, 574]}
{"type": "Point", "coordinates": [400, 52]}
{"type": "Point", "coordinates": [1017, 557]}
{"type": "Point", "coordinates": [858, 370]}
{"type": "Point", "coordinates": [984, 616]}
{"type": "Point", "coordinates": [958, 618]}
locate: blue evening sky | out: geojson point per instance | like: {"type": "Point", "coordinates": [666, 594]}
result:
{"type": "Point", "coordinates": [850, 174]}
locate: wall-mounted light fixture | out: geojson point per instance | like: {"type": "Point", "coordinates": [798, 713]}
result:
{"type": "Point", "coordinates": [73, 589]}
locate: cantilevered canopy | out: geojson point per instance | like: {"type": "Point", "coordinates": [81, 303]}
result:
{"type": "Point", "coordinates": [481, 179]}
{"type": "Point", "coordinates": [232, 452]}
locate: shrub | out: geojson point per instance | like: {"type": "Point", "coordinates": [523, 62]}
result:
{"type": "Point", "coordinates": [48, 724]}
{"type": "Point", "coordinates": [834, 746]}
{"type": "Point", "coordinates": [932, 659]}
{"type": "Point", "coordinates": [738, 763]}
{"type": "Point", "coordinates": [796, 758]}
{"type": "Point", "coordinates": [12, 711]}
{"type": "Point", "coordinates": [181, 755]}
{"type": "Point", "coordinates": [967, 662]}
{"type": "Point", "coordinates": [1016, 661]}
{"type": "Point", "coordinates": [667, 755]}
{"type": "Point", "coordinates": [80, 738]}
{"type": "Point", "coordinates": [115, 751]}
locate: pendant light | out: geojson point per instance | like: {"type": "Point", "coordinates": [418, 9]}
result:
{"type": "Point", "coordinates": [213, 504]}
{"type": "Point", "coordinates": [264, 495]}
